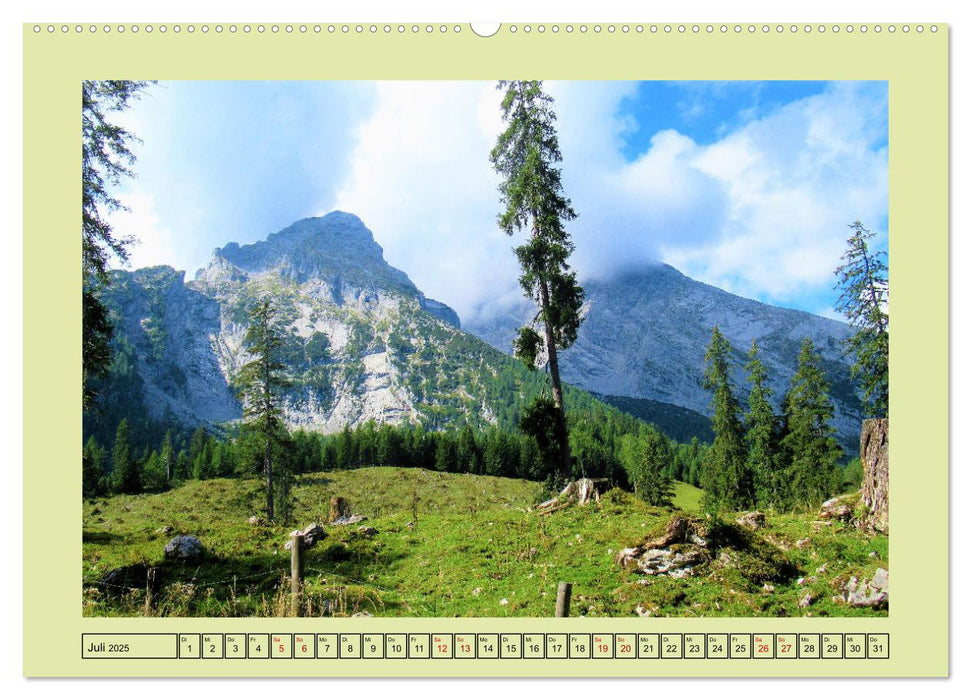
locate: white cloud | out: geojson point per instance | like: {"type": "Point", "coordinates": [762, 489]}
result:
{"type": "Point", "coordinates": [762, 211]}
{"type": "Point", "coordinates": [421, 180]}
{"type": "Point", "coordinates": [153, 242]}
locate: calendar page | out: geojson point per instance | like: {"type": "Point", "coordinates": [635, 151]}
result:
{"type": "Point", "coordinates": [538, 349]}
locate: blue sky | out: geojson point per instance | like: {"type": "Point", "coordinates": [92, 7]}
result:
{"type": "Point", "coordinates": [745, 185]}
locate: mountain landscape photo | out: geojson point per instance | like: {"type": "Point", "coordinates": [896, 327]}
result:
{"type": "Point", "coordinates": [458, 432]}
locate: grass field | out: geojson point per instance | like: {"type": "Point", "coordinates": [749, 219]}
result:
{"type": "Point", "coordinates": [447, 545]}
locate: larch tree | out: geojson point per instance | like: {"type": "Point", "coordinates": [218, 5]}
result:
{"type": "Point", "coordinates": [106, 158]}
{"type": "Point", "coordinates": [864, 299]}
{"type": "Point", "coordinates": [260, 384]}
{"type": "Point", "coordinates": [809, 439]}
{"type": "Point", "coordinates": [525, 156]}
{"type": "Point", "coordinates": [760, 436]}
{"type": "Point", "coordinates": [726, 479]}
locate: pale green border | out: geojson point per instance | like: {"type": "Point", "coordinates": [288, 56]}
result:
{"type": "Point", "coordinates": [915, 66]}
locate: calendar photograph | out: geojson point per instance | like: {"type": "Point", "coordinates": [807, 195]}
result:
{"type": "Point", "coordinates": [510, 348]}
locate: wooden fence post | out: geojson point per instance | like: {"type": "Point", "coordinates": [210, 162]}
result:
{"type": "Point", "coordinates": [296, 572]}
{"type": "Point", "coordinates": [563, 599]}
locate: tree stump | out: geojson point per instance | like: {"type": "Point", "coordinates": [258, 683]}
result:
{"type": "Point", "coordinates": [339, 508]}
{"type": "Point", "coordinates": [875, 457]}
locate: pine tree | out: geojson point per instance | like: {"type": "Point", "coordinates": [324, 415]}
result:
{"type": "Point", "coordinates": [760, 436]}
{"type": "Point", "coordinates": [526, 156]}
{"type": "Point", "coordinates": [445, 452]}
{"type": "Point", "coordinates": [650, 482]}
{"type": "Point", "coordinates": [92, 469]}
{"type": "Point", "coordinates": [726, 479]}
{"type": "Point", "coordinates": [467, 451]}
{"type": "Point", "coordinates": [106, 157]}
{"type": "Point", "coordinates": [124, 474]}
{"type": "Point", "coordinates": [260, 384]}
{"type": "Point", "coordinates": [864, 298]}
{"type": "Point", "coordinates": [202, 466]}
{"type": "Point", "coordinates": [153, 473]}
{"type": "Point", "coordinates": [345, 449]}
{"type": "Point", "coordinates": [183, 467]}
{"type": "Point", "coordinates": [813, 472]}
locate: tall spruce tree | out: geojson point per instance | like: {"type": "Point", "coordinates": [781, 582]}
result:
{"type": "Point", "coordinates": [106, 157]}
{"type": "Point", "coordinates": [726, 479]}
{"type": "Point", "coordinates": [809, 439]}
{"type": "Point", "coordinates": [260, 383]}
{"type": "Point", "coordinates": [864, 297]}
{"type": "Point", "coordinates": [760, 437]}
{"type": "Point", "coordinates": [650, 481]}
{"type": "Point", "coordinates": [526, 155]}
{"type": "Point", "coordinates": [124, 471]}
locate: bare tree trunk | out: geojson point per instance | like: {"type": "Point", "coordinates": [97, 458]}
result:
{"type": "Point", "coordinates": [268, 454]}
{"type": "Point", "coordinates": [566, 466]}
{"type": "Point", "coordinates": [875, 456]}
{"type": "Point", "coordinates": [268, 469]}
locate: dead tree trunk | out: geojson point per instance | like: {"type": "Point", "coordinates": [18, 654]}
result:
{"type": "Point", "coordinates": [875, 457]}
{"type": "Point", "coordinates": [339, 508]}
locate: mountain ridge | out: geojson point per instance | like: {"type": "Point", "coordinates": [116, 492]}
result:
{"type": "Point", "coordinates": [645, 333]}
{"type": "Point", "coordinates": [364, 343]}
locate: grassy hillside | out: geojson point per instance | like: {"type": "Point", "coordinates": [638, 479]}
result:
{"type": "Point", "coordinates": [446, 545]}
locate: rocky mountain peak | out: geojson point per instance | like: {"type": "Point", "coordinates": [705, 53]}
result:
{"type": "Point", "coordinates": [335, 246]}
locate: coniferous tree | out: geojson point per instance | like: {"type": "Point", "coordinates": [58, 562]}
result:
{"type": "Point", "coordinates": [106, 157]}
{"type": "Point", "coordinates": [345, 450]}
{"type": "Point", "coordinates": [864, 298]}
{"type": "Point", "coordinates": [124, 472]}
{"type": "Point", "coordinates": [202, 466]}
{"type": "Point", "coordinates": [92, 469]}
{"type": "Point", "coordinates": [726, 479]}
{"type": "Point", "coordinates": [526, 155]}
{"type": "Point", "coordinates": [760, 436]}
{"type": "Point", "coordinates": [328, 456]}
{"type": "Point", "coordinates": [168, 457]}
{"type": "Point", "coordinates": [467, 451]}
{"type": "Point", "coordinates": [445, 452]}
{"type": "Point", "coordinates": [260, 384]}
{"type": "Point", "coordinates": [650, 481]}
{"type": "Point", "coordinates": [809, 443]}
{"type": "Point", "coordinates": [153, 473]}
{"type": "Point", "coordinates": [183, 467]}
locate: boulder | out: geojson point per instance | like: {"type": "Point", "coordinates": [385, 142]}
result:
{"type": "Point", "coordinates": [753, 521]}
{"type": "Point", "coordinates": [874, 593]}
{"type": "Point", "coordinates": [349, 520]}
{"type": "Point", "coordinates": [184, 547]}
{"type": "Point", "coordinates": [311, 535]}
{"type": "Point", "coordinates": [875, 458]}
{"type": "Point", "coordinates": [836, 509]}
